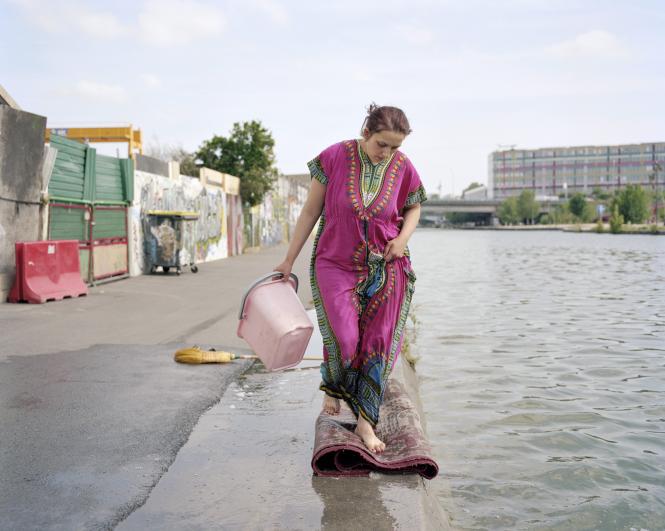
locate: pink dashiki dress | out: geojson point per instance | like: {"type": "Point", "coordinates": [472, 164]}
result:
{"type": "Point", "coordinates": [361, 300]}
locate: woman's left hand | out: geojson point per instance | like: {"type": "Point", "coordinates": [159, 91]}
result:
{"type": "Point", "coordinates": [394, 249]}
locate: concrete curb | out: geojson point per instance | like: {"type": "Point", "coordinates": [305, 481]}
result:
{"type": "Point", "coordinates": [247, 466]}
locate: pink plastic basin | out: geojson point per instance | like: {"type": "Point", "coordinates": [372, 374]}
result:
{"type": "Point", "coordinates": [274, 322]}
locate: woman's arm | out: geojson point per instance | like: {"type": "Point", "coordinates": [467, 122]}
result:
{"type": "Point", "coordinates": [395, 248]}
{"type": "Point", "coordinates": [306, 221]}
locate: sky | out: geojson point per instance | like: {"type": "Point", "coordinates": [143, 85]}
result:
{"type": "Point", "coordinates": [472, 76]}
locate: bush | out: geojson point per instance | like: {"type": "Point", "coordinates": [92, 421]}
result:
{"type": "Point", "coordinates": [633, 204]}
{"type": "Point", "coordinates": [616, 221]}
{"type": "Point", "coordinates": [600, 228]}
{"type": "Point", "coordinates": [561, 214]}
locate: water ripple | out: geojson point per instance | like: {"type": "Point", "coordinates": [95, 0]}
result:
{"type": "Point", "coordinates": [542, 377]}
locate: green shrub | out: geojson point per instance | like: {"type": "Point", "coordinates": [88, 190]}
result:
{"type": "Point", "coordinates": [600, 228]}
{"type": "Point", "coordinates": [633, 204]}
{"type": "Point", "coordinates": [616, 220]}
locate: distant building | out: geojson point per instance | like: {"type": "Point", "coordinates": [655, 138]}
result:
{"type": "Point", "coordinates": [566, 170]}
{"type": "Point", "coordinates": [475, 194]}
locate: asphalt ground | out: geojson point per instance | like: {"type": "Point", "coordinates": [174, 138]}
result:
{"type": "Point", "coordinates": [93, 408]}
{"type": "Point", "coordinates": [102, 429]}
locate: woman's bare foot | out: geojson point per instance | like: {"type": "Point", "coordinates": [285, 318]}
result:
{"type": "Point", "coordinates": [365, 431]}
{"type": "Point", "coordinates": [330, 405]}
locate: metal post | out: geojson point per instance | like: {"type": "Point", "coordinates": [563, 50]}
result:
{"type": "Point", "coordinates": [657, 168]}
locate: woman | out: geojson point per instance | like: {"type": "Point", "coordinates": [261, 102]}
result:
{"type": "Point", "coordinates": [368, 195]}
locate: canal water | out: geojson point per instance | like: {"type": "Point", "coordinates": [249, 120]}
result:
{"type": "Point", "coordinates": [543, 377]}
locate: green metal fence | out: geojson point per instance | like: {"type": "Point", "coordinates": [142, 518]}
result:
{"type": "Point", "coordinates": [88, 195]}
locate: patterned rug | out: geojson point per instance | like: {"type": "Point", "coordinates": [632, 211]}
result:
{"type": "Point", "coordinates": [338, 451]}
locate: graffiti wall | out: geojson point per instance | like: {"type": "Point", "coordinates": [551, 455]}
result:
{"type": "Point", "coordinates": [204, 239]}
{"type": "Point", "coordinates": [223, 227]}
{"type": "Point", "coordinates": [274, 220]}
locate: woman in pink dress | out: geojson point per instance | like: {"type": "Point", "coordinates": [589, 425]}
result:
{"type": "Point", "coordinates": [367, 195]}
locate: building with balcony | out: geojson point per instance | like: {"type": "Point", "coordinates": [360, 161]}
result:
{"type": "Point", "coordinates": [551, 172]}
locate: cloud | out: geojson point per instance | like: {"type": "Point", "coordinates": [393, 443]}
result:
{"type": "Point", "coordinates": [174, 22]}
{"type": "Point", "coordinates": [361, 75]}
{"type": "Point", "coordinates": [98, 24]}
{"type": "Point", "coordinates": [151, 81]}
{"type": "Point", "coordinates": [99, 92]}
{"type": "Point", "coordinates": [61, 16]}
{"type": "Point", "coordinates": [596, 43]}
{"type": "Point", "coordinates": [274, 10]}
{"type": "Point", "coordinates": [415, 35]}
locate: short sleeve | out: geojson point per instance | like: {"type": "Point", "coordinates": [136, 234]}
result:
{"type": "Point", "coordinates": [412, 190]}
{"type": "Point", "coordinates": [321, 166]}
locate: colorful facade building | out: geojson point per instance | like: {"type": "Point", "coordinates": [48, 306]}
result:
{"type": "Point", "coordinates": [551, 172]}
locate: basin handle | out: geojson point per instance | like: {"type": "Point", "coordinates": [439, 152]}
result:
{"type": "Point", "coordinates": [275, 275]}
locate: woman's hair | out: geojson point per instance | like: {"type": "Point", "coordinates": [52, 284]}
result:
{"type": "Point", "coordinates": [385, 118]}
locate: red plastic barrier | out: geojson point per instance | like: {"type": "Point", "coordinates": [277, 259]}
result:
{"type": "Point", "coordinates": [47, 270]}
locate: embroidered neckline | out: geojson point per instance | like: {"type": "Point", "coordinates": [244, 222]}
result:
{"type": "Point", "coordinates": [369, 196]}
{"type": "Point", "coordinates": [353, 182]}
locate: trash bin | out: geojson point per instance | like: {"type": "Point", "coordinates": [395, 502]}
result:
{"type": "Point", "coordinates": [165, 241]}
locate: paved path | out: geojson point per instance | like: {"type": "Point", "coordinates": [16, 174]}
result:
{"type": "Point", "coordinates": [93, 408]}
{"type": "Point", "coordinates": [102, 429]}
{"type": "Point", "coordinates": [147, 310]}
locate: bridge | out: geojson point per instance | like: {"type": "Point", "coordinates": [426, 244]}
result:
{"type": "Point", "coordinates": [482, 210]}
{"type": "Point", "coordinates": [444, 206]}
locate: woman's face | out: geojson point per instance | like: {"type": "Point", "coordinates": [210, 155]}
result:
{"type": "Point", "coordinates": [382, 145]}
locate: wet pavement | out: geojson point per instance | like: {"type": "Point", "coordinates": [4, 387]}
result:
{"type": "Point", "coordinates": [87, 434]}
{"type": "Point", "coordinates": [247, 465]}
{"type": "Point", "coordinates": [101, 428]}
{"type": "Point", "coordinates": [93, 408]}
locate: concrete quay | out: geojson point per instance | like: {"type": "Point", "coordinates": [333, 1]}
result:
{"type": "Point", "coordinates": [103, 430]}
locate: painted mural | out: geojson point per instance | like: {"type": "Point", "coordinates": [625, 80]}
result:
{"type": "Point", "coordinates": [274, 220]}
{"type": "Point", "coordinates": [223, 227]}
{"type": "Point", "coordinates": [203, 240]}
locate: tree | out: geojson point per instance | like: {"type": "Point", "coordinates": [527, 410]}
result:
{"type": "Point", "coordinates": [188, 165]}
{"type": "Point", "coordinates": [577, 205]}
{"type": "Point", "coordinates": [633, 204]}
{"type": "Point", "coordinates": [508, 212]}
{"type": "Point", "coordinates": [600, 194]}
{"type": "Point", "coordinates": [248, 154]}
{"type": "Point", "coordinates": [168, 152]}
{"type": "Point", "coordinates": [527, 206]}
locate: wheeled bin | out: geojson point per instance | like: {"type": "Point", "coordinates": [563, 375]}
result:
{"type": "Point", "coordinates": [166, 243]}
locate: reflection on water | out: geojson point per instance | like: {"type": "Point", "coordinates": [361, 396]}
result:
{"type": "Point", "coordinates": [543, 376]}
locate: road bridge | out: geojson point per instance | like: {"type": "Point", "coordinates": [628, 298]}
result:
{"type": "Point", "coordinates": [478, 211]}
{"type": "Point", "coordinates": [474, 206]}
{"type": "Point", "coordinates": [444, 206]}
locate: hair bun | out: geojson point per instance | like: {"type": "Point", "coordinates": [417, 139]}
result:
{"type": "Point", "coordinates": [385, 118]}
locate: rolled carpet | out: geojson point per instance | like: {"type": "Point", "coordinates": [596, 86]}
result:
{"type": "Point", "coordinates": [338, 451]}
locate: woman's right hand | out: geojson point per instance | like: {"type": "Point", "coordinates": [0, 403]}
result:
{"type": "Point", "coordinates": [284, 268]}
